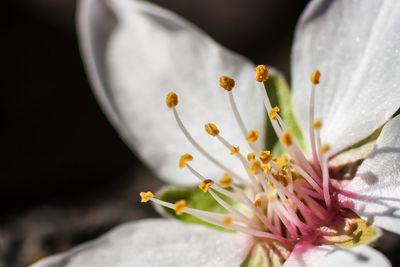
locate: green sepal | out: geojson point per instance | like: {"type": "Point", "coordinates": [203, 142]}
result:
{"type": "Point", "coordinates": [196, 199]}
{"type": "Point", "coordinates": [279, 95]}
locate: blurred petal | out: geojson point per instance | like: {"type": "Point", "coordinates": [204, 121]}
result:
{"type": "Point", "coordinates": [157, 242]}
{"type": "Point", "coordinates": [355, 46]}
{"type": "Point", "coordinates": [148, 52]}
{"type": "Point", "coordinates": [306, 255]}
{"type": "Point", "coordinates": [378, 181]}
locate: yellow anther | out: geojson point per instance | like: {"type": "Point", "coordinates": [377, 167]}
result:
{"type": "Point", "coordinates": [234, 150]}
{"type": "Point", "coordinates": [145, 196]}
{"type": "Point", "coordinates": [252, 136]}
{"type": "Point", "coordinates": [273, 112]}
{"type": "Point", "coordinates": [251, 156]}
{"type": "Point", "coordinates": [185, 158]}
{"type": "Point", "coordinates": [315, 77]}
{"type": "Point", "coordinates": [283, 179]}
{"type": "Point", "coordinates": [227, 83]}
{"type": "Point", "coordinates": [211, 129]}
{"type": "Point", "coordinates": [258, 202]}
{"type": "Point", "coordinates": [317, 124]}
{"type": "Point", "coordinates": [206, 184]}
{"type": "Point", "coordinates": [286, 139]}
{"type": "Point", "coordinates": [225, 180]}
{"type": "Point", "coordinates": [261, 73]}
{"type": "Point", "coordinates": [266, 168]}
{"type": "Point", "coordinates": [265, 157]}
{"type": "Point", "coordinates": [282, 161]}
{"type": "Point", "coordinates": [172, 100]}
{"type": "Point", "coordinates": [295, 175]}
{"type": "Point", "coordinates": [255, 167]}
{"type": "Point", "coordinates": [227, 221]}
{"type": "Point", "coordinates": [324, 148]}
{"type": "Point", "coordinates": [179, 206]}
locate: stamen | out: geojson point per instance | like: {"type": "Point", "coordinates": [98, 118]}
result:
{"type": "Point", "coordinates": [261, 73]}
{"type": "Point", "coordinates": [201, 214]}
{"type": "Point", "coordinates": [293, 151]}
{"type": "Point", "coordinates": [225, 180]}
{"type": "Point", "coordinates": [185, 158]}
{"type": "Point", "coordinates": [315, 77]}
{"type": "Point", "coordinates": [211, 129]}
{"type": "Point", "coordinates": [252, 136]}
{"type": "Point", "coordinates": [239, 215]}
{"type": "Point", "coordinates": [172, 100]}
{"type": "Point", "coordinates": [324, 148]}
{"type": "Point", "coordinates": [255, 167]}
{"type": "Point", "coordinates": [296, 154]}
{"type": "Point", "coordinates": [206, 184]}
{"type": "Point", "coordinates": [317, 124]}
{"type": "Point", "coordinates": [258, 202]}
{"type": "Point", "coordinates": [314, 125]}
{"type": "Point", "coordinates": [307, 214]}
{"type": "Point", "coordinates": [257, 211]}
{"type": "Point", "coordinates": [227, 221]}
{"type": "Point", "coordinates": [227, 83]}
{"type": "Point", "coordinates": [290, 227]}
{"type": "Point", "coordinates": [325, 180]}
{"type": "Point", "coordinates": [265, 157]}
{"type": "Point", "coordinates": [273, 112]}
{"type": "Point", "coordinates": [234, 150]}
{"type": "Point", "coordinates": [217, 219]}
{"type": "Point", "coordinates": [243, 199]}
{"type": "Point", "coordinates": [251, 156]}
{"type": "Point", "coordinates": [266, 168]}
{"type": "Point", "coordinates": [201, 149]}
{"type": "Point", "coordinates": [325, 173]}
{"type": "Point", "coordinates": [253, 186]}
{"type": "Point", "coordinates": [286, 139]}
{"type": "Point", "coordinates": [307, 177]}
{"type": "Point", "coordinates": [145, 196]}
{"type": "Point", "coordinates": [316, 208]}
{"type": "Point", "coordinates": [216, 187]}
{"type": "Point", "coordinates": [179, 206]}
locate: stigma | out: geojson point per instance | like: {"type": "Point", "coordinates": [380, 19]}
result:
{"type": "Point", "coordinates": [287, 198]}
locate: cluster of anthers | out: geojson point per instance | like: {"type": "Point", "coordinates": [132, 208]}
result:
{"type": "Point", "coordinates": [290, 197]}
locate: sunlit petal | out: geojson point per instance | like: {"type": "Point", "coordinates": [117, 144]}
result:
{"type": "Point", "coordinates": [157, 242]}
{"type": "Point", "coordinates": [306, 255]}
{"type": "Point", "coordinates": [136, 53]}
{"type": "Point", "coordinates": [377, 182]}
{"type": "Point", "coordinates": [355, 46]}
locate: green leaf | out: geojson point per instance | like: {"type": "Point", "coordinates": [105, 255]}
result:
{"type": "Point", "coordinates": [196, 199]}
{"type": "Point", "coordinates": [279, 95]}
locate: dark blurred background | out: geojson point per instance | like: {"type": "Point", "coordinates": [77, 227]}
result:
{"type": "Point", "coordinates": [66, 177]}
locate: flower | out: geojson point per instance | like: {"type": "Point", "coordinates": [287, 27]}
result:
{"type": "Point", "coordinates": [356, 96]}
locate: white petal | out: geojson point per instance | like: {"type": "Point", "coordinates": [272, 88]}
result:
{"type": "Point", "coordinates": [157, 242]}
{"type": "Point", "coordinates": [378, 179]}
{"type": "Point", "coordinates": [306, 255]}
{"type": "Point", "coordinates": [355, 46]}
{"type": "Point", "coordinates": [150, 52]}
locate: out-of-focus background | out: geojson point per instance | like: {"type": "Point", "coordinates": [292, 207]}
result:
{"type": "Point", "coordinates": [66, 177]}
